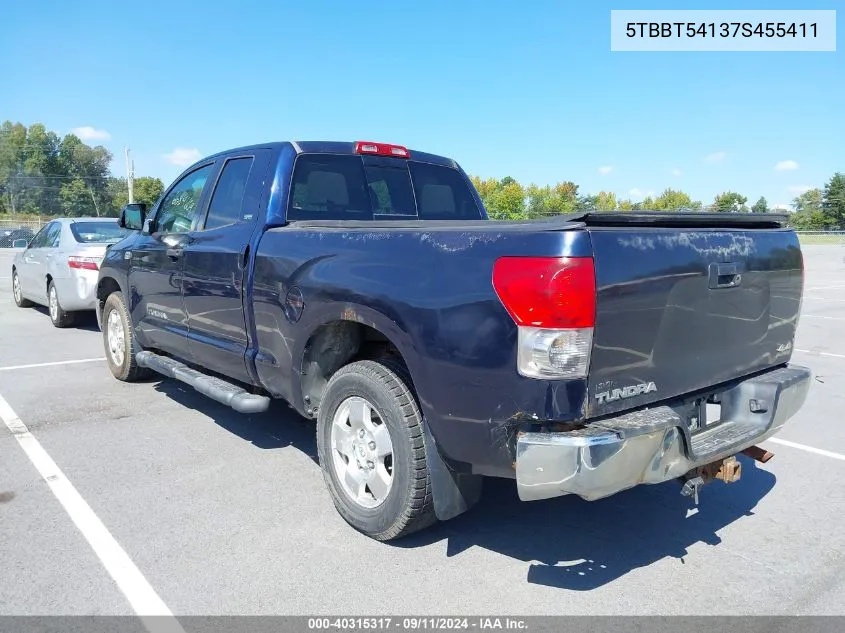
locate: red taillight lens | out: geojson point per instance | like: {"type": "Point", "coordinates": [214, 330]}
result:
{"type": "Point", "coordinates": [82, 263]}
{"type": "Point", "coordinates": [381, 149]}
{"type": "Point", "coordinates": [547, 292]}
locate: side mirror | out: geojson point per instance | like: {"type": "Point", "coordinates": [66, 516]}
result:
{"type": "Point", "coordinates": [19, 244]}
{"type": "Point", "coordinates": [132, 216]}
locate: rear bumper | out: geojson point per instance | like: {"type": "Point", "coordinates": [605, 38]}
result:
{"type": "Point", "coordinates": [78, 291]}
{"type": "Point", "coordinates": [655, 445]}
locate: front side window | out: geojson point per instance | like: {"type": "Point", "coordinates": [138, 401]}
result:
{"type": "Point", "coordinates": [40, 238]}
{"type": "Point", "coordinates": [179, 207]}
{"type": "Point", "coordinates": [227, 200]}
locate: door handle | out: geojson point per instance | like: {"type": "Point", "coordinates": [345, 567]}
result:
{"type": "Point", "coordinates": [725, 275]}
{"type": "Point", "coordinates": [174, 253]}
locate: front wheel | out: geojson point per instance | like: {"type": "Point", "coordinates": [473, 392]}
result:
{"type": "Point", "coordinates": [371, 450]}
{"type": "Point", "coordinates": [119, 339]}
{"type": "Point", "coordinates": [17, 293]}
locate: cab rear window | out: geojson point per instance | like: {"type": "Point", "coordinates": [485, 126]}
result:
{"type": "Point", "coordinates": [351, 187]}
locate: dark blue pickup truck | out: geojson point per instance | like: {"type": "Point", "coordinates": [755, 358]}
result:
{"type": "Point", "coordinates": [363, 284]}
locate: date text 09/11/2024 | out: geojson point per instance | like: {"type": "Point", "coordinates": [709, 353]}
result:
{"type": "Point", "coordinates": [721, 30]}
{"type": "Point", "coordinates": [417, 623]}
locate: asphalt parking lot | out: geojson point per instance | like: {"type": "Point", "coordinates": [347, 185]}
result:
{"type": "Point", "coordinates": [228, 514]}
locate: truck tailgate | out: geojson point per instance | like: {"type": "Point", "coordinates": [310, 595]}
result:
{"type": "Point", "coordinates": [681, 308]}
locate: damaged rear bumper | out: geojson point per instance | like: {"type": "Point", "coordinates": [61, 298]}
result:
{"type": "Point", "coordinates": [654, 445]}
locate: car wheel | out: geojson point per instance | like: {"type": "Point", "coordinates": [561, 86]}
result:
{"type": "Point", "coordinates": [119, 339]}
{"type": "Point", "coordinates": [372, 453]}
{"type": "Point", "coordinates": [59, 317]}
{"type": "Point", "coordinates": [17, 293]}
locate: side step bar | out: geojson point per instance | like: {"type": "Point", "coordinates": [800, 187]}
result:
{"type": "Point", "coordinates": [215, 388]}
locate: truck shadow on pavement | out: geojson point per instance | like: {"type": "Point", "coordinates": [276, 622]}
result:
{"type": "Point", "coordinates": [279, 427]}
{"type": "Point", "coordinates": [567, 542]}
{"type": "Point", "coordinates": [579, 545]}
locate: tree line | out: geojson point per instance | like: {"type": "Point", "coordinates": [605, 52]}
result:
{"type": "Point", "coordinates": [45, 174]}
{"type": "Point", "coordinates": [507, 199]}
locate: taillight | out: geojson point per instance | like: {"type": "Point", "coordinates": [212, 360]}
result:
{"type": "Point", "coordinates": [381, 149]}
{"type": "Point", "coordinates": [82, 263]}
{"type": "Point", "coordinates": [553, 302]}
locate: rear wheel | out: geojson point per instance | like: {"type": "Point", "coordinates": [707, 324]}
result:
{"type": "Point", "coordinates": [119, 340]}
{"type": "Point", "coordinates": [17, 293]}
{"type": "Point", "coordinates": [59, 317]}
{"type": "Point", "coordinates": [371, 449]}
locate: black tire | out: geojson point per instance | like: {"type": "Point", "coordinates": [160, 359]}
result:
{"type": "Point", "coordinates": [16, 292]}
{"type": "Point", "coordinates": [58, 317]}
{"type": "Point", "coordinates": [128, 369]}
{"type": "Point", "coordinates": [408, 506]}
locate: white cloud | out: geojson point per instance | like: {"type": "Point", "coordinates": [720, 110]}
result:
{"type": "Point", "coordinates": [88, 133]}
{"type": "Point", "coordinates": [799, 188]}
{"type": "Point", "coordinates": [782, 206]}
{"type": "Point", "coordinates": [715, 157]}
{"type": "Point", "coordinates": [676, 172]}
{"type": "Point", "coordinates": [183, 156]}
{"type": "Point", "coordinates": [605, 169]}
{"type": "Point", "coordinates": [786, 165]}
{"type": "Point", "coordinates": [639, 193]}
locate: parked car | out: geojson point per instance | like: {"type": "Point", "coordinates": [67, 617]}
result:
{"type": "Point", "coordinates": [8, 237]}
{"type": "Point", "coordinates": [59, 267]}
{"type": "Point", "coordinates": [363, 284]}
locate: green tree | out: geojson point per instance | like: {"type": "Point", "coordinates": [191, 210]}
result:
{"type": "Point", "coordinates": [625, 205]}
{"type": "Point", "coordinates": [761, 206]}
{"type": "Point", "coordinates": [588, 203]}
{"type": "Point", "coordinates": [147, 190]}
{"type": "Point", "coordinates": [671, 200]}
{"type": "Point", "coordinates": [730, 202]}
{"type": "Point", "coordinates": [833, 201]}
{"type": "Point", "coordinates": [606, 201]}
{"type": "Point", "coordinates": [75, 199]}
{"type": "Point", "coordinates": [547, 201]}
{"type": "Point", "coordinates": [808, 202]}
{"type": "Point", "coordinates": [506, 202]}
{"type": "Point", "coordinates": [13, 171]}
{"type": "Point", "coordinates": [88, 164]}
{"type": "Point", "coordinates": [808, 215]}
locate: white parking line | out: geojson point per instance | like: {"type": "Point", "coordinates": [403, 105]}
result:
{"type": "Point", "coordinates": [814, 353]}
{"type": "Point", "coordinates": [131, 582]}
{"type": "Point", "coordinates": [809, 449]}
{"type": "Point", "coordinates": [820, 316]}
{"type": "Point", "coordinates": [824, 287]}
{"type": "Point", "coordinates": [58, 362]}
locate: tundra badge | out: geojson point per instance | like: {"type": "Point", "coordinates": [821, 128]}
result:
{"type": "Point", "coordinates": [626, 392]}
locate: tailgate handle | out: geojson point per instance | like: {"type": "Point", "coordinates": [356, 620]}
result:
{"type": "Point", "coordinates": [725, 275]}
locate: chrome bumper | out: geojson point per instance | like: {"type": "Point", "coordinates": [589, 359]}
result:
{"type": "Point", "coordinates": [654, 445]}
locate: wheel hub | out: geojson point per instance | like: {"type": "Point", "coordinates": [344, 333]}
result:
{"type": "Point", "coordinates": [362, 452]}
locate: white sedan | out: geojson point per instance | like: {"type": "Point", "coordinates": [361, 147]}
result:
{"type": "Point", "coordinates": [60, 265]}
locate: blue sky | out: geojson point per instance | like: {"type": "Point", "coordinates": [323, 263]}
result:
{"type": "Point", "coordinates": [526, 89]}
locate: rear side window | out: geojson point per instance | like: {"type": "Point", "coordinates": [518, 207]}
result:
{"type": "Point", "coordinates": [345, 187]}
{"type": "Point", "coordinates": [226, 201]}
{"type": "Point", "coordinates": [329, 187]}
{"type": "Point", "coordinates": [91, 232]}
{"type": "Point", "coordinates": [442, 193]}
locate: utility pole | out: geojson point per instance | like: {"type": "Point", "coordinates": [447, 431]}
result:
{"type": "Point", "coordinates": [130, 176]}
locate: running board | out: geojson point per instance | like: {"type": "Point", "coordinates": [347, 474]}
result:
{"type": "Point", "coordinates": [215, 388]}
